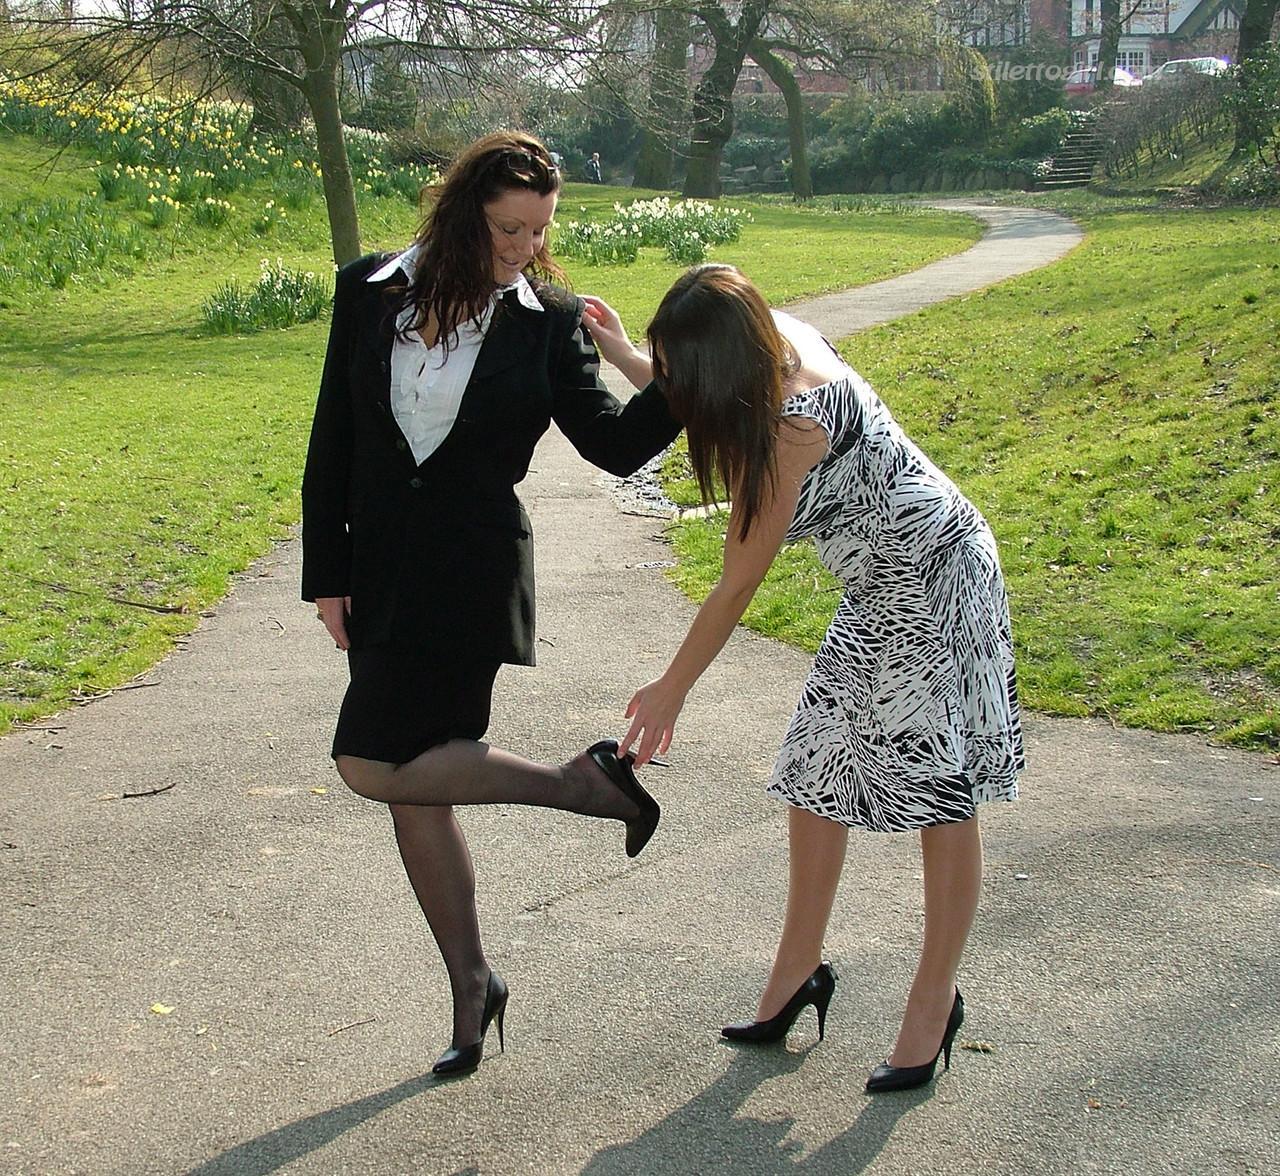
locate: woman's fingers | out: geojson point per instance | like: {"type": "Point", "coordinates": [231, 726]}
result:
{"type": "Point", "coordinates": [653, 720]}
{"type": "Point", "coordinates": [598, 310]}
{"type": "Point", "coordinates": [334, 611]}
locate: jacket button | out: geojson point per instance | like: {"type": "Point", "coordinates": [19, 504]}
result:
{"type": "Point", "coordinates": [416, 483]}
{"type": "Point", "coordinates": [402, 445]}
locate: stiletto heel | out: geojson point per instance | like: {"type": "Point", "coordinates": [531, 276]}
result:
{"type": "Point", "coordinates": [618, 768]}
{"type": "Point", "coordinates": [886, 1077]}
{"type": "Point", "coordinates": [453, 1063]}
{"type": "Point", "coordinates": [816, 991]}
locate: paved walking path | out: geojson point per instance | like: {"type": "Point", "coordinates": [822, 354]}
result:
{"type": "Point", "coordinates": [230, 978]}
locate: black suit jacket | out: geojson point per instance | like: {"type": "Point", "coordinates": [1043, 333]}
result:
{"type": "Point", "coordinates": [439, 557]}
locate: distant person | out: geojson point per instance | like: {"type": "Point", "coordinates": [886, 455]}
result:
{"type": "Point", "coordinates": [910, 716]}
{"type": "Point", "coordinates": [557, 159]}
{"type": "Point", "coordinates": [592, 169]}
{"type": "Point", "coordinates": [446, 364]}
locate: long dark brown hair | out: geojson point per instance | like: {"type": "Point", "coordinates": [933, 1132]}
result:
{"type": "Point", "coordinates": [720, 361]}
{"type": "Point", "coordinates": [453, 277]}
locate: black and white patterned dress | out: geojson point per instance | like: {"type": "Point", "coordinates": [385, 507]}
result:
{"type": "Point", "coordinates": [910, 715]}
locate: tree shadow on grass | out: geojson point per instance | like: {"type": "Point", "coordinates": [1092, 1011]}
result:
{"type": "Point", "coordinates": [707, 1136]}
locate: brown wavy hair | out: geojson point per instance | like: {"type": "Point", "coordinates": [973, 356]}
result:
{"type": "Point", "coordinates": [721, 362]}
{"type": "Point", "coordinates": [453, 277]}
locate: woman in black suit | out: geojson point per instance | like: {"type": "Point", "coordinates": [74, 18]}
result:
{"type": "Point", "coordinates": [445, 365]}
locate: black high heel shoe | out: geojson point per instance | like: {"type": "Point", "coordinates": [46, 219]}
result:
{"type": "Point", "coordinates": [640, 828]}
{"type": "Point", "coordinates": [886, 1077]}
{"type": "Point", "coordinates": [455, 1062]}
{"type": "Point", "coordinates": [815, 991]}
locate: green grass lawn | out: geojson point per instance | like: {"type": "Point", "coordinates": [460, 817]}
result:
{"type": "Point", "coordinates": [1115, 417]}
{"type": "Point", "coordinates": [143, 462]}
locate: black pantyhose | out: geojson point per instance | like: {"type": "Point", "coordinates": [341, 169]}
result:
{"type": "Point", "coordinates": [434, 851]}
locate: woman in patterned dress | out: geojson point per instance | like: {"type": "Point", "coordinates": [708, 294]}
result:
{"type": "Point", "coordinates": [910, 716]}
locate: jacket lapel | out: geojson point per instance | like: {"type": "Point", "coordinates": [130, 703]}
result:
{"type": "Point", "coordinates": [507, 340]}
{"type": "Point", "coordinates": [378, 329]}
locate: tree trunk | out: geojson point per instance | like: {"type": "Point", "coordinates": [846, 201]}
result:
{"type": "Point", "coordinates": [1108, 46]}
{"type": "Point", "coordinates": [781, 76]}
{"type": "Point", "coordinates": [1255, 26]}
{"type": "Point", "coordinates": [668, 95]}
{"type": "Point", "coordinates": [321, 89]}
{"type": "Point", "coordinates": [713, 96]}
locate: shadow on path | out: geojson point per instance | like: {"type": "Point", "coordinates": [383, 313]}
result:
{"type": "Point", "coordinates": [707, 1136]}
{"type": "Point", "coordinates": [274, 1149]}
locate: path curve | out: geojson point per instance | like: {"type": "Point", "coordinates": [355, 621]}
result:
{"type": "Point", "coordinates": [1017, 240]}
{"type": "Point", "coordinates": [230, 978]}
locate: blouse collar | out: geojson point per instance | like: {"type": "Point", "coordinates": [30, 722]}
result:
{"type": "Point", "coordinates": [407, 261]}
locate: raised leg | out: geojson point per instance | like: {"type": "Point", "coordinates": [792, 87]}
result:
{"type": "Point", "coordinates": [952, 882]}
{"type": "Point", "coordinates": [816, 850]}
{"type": "Point", "coordinates": [465, 771]}
{"type": "Point", "coordinates": [436, 858]}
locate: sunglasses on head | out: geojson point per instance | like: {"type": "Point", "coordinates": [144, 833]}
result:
{"type": "Point", "coordinates": [522, 163]}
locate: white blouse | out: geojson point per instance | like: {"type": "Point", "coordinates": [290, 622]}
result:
{"type": "Point", "coordinates": [426, 384]}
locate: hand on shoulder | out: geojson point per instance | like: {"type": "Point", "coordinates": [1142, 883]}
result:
{"type": "Point", "coordinates": [604, 325]}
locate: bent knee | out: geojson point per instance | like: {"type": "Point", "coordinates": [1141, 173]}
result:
{"type": "Point", "coordinates": [367, 778]}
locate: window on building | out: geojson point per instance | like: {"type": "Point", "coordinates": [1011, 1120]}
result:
{"type": "Point", "coordinates": [1133, 60]}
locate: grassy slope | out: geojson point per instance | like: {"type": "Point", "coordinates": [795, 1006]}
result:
{"type": "Point", "coordinates": [1194, 166]}
{"type": "Point", "coordinates": [1115, 417]}
{"type": "Point", "coordinates": [144, 461]}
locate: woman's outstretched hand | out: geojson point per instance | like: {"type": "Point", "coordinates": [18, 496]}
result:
{"type": "Point", "coordinates": [653, 712]}
{"type": "Point", "coordinates": [606, 329]}
{"type": "Point", "coordinates": [334, 610]}
{"type": "Point", "coordinates": [611, 339]}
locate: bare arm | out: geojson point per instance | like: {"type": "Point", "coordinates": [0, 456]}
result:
{"type": "Point", "coordinates": [654, 709]}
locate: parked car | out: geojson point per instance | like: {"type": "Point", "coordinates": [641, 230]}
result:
{"type": "Point", "coordinates": [1083, 81]}
{"type": "Point", "coordinates": [1183, 67]}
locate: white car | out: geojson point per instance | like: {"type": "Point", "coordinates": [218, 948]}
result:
{"type": "Point", "coordinates": [1083, 81]}
{"type": "Point", "coordinates": [1184, 67]}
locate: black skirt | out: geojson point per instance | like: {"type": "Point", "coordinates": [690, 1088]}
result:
{"type": "Point", "coordinates": [403, 701]}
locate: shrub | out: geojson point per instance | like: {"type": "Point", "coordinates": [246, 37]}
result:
{"type": "Point", "coordinates": [1255, 180]}
{"type": "Point", "coordinates": [1036, 136]}
{"type": "Point", "coordinates": [280, 298]}
{"type": "Point", "coordinates": [906, 131]}
{"type": "Point", "coordinates": [423, 147]}
{"type": "Point", "coordinates": [1254, 102]}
